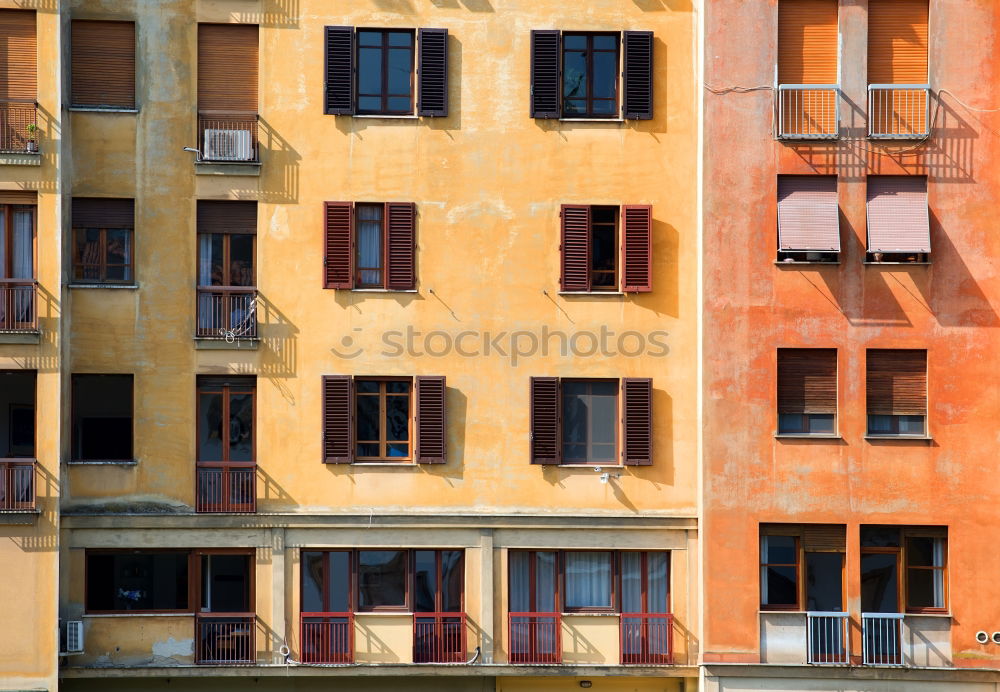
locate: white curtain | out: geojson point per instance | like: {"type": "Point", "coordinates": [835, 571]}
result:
{"type": "Point", "coordinates": [631, 582]}
{"type": "Point", "coordinates": [370, 244]}
{"type": "Point", "coordinates": [657, 587]}
{"type": "Point", "coordinates": [545, 582]}
{"type": "Point", "coordinates": [3, 246]}
{"type": "Point", "coordinates": [939, 573]}
{"type": "Point", "coordinates": [204, 260]}
{"type": "Point", "coordinates": [23, 259]}
{"type": "Point", "coordinates": [588, 579]}
{"type": "Point", "coordinates": [519, 587]}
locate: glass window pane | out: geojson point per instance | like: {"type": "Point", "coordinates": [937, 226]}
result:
{"type": "Point", "coordinates": [88, 249]}
{"type": "Point", "coordinates": [605, 74]}
{"type": "Point", "coordinates": [241, 260]}
{"type": "Point", "coordinates": [602, 250]}
{"type": "Point", "coordinates": [400, 68]}
{"type": "Point", "coordinates": [605, 107]}
{"type": "Point", "coordinates": [369, 449]}
{"type": "Point", "coordinates": [519, 589]}
{"type": "Point", "coordinates": [399, 104]}
{"type": "Point", "coordinates": [780, 586]}
{"type": "Point", "coordinates": [452, 580]}
{"type": "Point", "coordinates": [367, 418]}
{"type": "Point", "coordinates": [780, 550]}
{"type": "Point", "coordinates": [605, 42]}
{"type": "Point", "coordinates": [119, 246]}
{"type": "Point", "coordinates": [397, 418]}
{"type": "Point", "coordinates": [3, 244]}
{"type": "Point", "coordinates": [399, 450]}
{"type": "Point", "coordinates": [381, 578]}
{"type": "Point", "coordinates": [369, 38]}
{"type": "Point", "coordinates": [312, 582]}
{"type": "Point", "coordinates": [920, 552]}
{"type": "Point", "coordinates": [791, 423]}
{"type": "Point", "coordinates": [400, 38]}
{"type": "Point", "coordinates": [369, 231]}
{"type": "Point", "coordinates": [241, 427]}
{"type": "Point", "coordinates": [604, 409]}
{"type": "Point", "coordinates": [658, 584]}
{"type": "Point", "coordinates": [395, 387]}
{"type": "Point", "coordinates": [574, 74]}
{"type": "Point", "coordinates": [575, 107]}
{"type": "Point", "coordinates": [545, 582]}
{"type": "Point", "coordinates": [924, 588]}
{"type": "Point", "coordinates": [574, 414]}
{"type": "Point", "coordinates": [911, 425]}
{"type": "Point", "coordinates": [227, 580]}
{"type": "Point", "coordinates": [821, 423]}
{"type": "Point", "coordinates": [367, 386]}
{"type": "Point", "coordinates": [588, 579]}
{"type": "Point", "coordinates": [879, 583]}
{"type": "Point", "coordinates": [577, 41]}
{"type": "Point", "coordinates": [339, 592]}
{"type": "Point", "coordinates": [824, 588]}
{"type": "Point", "coordinates": [880, 537]}
{"type": "Point", "coordinates": [424, 581]}
{"type": "Point", "coordinates": [879, 425]}
{"type": "Point", "coordinates": [23, 256]}
{"type": "Point", "coordinates": [216, 261]}
{"type": "Point", "coordinates": [370, 71]}
{"type": "Point", "coordinates": [210, 426]}
{"type": "Point", "coordinates": [631, 582]}
{"type": "Point", "coordinates": [369, 104]}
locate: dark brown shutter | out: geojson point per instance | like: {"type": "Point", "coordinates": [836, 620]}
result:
{"type": "Point", "coordinates": [637, 248]}
{"type": "Point", "coordinates": [575, 247]}
{"type": "Point", "coordinates": [545, 72]}
{"type": "Point", "coordinates": [102, 212]}
{"type": "Point", "coordinates": [339, 71]}
{"type": "Point", "coordinates": [897, 382]}
{"type": "Point", "coordinates": [808, 215]}
{"type": "Point", "coordinates": [637, 96]}
{"type": "Point", "coordinates": [637, 421]}
{"type": "Point", "coordinates": [338, 419]}
{"type": "Point", "coordinates": [227, 67]}
{"type": "Point", "coordinates": [807, 380]}
{"type": "Point", "coordinates": [338, 245]}
{"type": "Point", "coordinates": [18, 197]}
{"type": "Point", "coordinates": [897, 214]}
{"type": "Point", "coordinates": [103, 64]}
{"type": "Point", "coordinates": [226, 217]}
{"type": "Point", "coordinates": [400, 245]}
{"type": "Point", "coordinates": [18, 59]}
{"type": "Point", "coordinates": [432, 73]}
{"type": "Point", "coordinates": [546, 445]}
{"type": "Point", "coordinates": [432, 421]}
{"type": "Point", "coordinates": [824, 538]}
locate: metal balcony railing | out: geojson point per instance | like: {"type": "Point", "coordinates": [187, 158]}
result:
{"type": "Point", "coordinates": [899, 111]}
{"type": "Point", "coordinates": [227, 136]}
{"type": "Point", "coordinates": [227, 312]}
{"type": "Point", "coordinates": [17, 485]}
{"type": "Point", "coordinates": [17, 305]}
{"type": "Point", "coordinates": [827, 637]}
{"type": "Point", "coordinates": [225, 638]}
{"type": "Point", "coordinates": [881, 637]}
{"type": "Point", "coordinates": [808, 111]}
{"type": "Point", "coordinates": [439, 638]}
{"type": "Point", "coordinates": [327, 637]}
{"type": "Point", "coordinates": [647, 638]}
{"type": "Point", "coordinates": [535, 638]}
{"type": "Point", "coordinates": [226, 486]}
{"type": "Point", "coordinates": [18, 127]}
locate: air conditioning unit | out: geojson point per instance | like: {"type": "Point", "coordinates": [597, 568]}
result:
{"type": "Point", "coordinates": [71, 637]}
{"type": "Point", "coordinates": [228, 145]}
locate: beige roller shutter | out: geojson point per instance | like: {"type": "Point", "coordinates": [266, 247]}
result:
{"type": "Point", "coordinates": [808, 215]}
{"type": "Point", "coordinates": [897, 214]}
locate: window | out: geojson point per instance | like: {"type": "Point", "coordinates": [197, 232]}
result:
{"type": "Point", "coordinates": [17, 414]}
{"type": "Point", "coordinates": [103, 64]}
{"type": "Point", "coordinates": [590, 75]}
{"type": "Point", "coordinates": [533, 581]}
{"type": "Point", "coordinates": [898, 95]}
{"type": "Point", "coordinates": [370, 246]}
{"type": "Point", "coordinates": [382, 580]}
{"type": "Point", "coordinates": [226, 582]}
{"type": "Point", "coordinates": [371, 258]}
{"type": "Point", "coordinates": [139, 581]}
{"type": "Point", "coordinates": [227, 92]}
{"type": "Point", "coordinates": [382, 414]}
{"type": "Point", "coordinates": [807, 391]}
{"type": "Point", "coordinates": [779, 572]}
{"type": "Point", "coordinates": [808, 93]}
{"type": "Point", "coordinates": [588, 579]}
{"type": "Point", "coordinates": [102, 240]}
{"type": "Point", "coordinates": [385, 72]}
{"type": "Point", "coordinates": [597, 256]}
{"type": "Point", "coordinates": [896, 392]}
{"type": "Point", "coordinates": [102, 417]}
{"type": "Point", "coordinates": [808, 219]}
{"type": "Point", "coordinates": [18, 81]}
{"type": "Point", "coordinates": [898, 221]}
{"type": "Point", "coordinates": [802, 567]}
{"type": "Point", "coordinates": [17, 240]}
{"type": "Point", "coordinates": [590, 422]}
{"type": "Point", "coordinates": [226, 419]}
{"type": "Point", "coordinates": [885, 551]}
{"type": "Point", "coordinates": [227, 295]}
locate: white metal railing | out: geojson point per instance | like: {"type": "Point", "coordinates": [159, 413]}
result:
{"type": "Point", "coordinates": [881, 637]}
{"type": "Point", "coordinates": [808, 111]}
{"type": "Point", "coordinates": [899, 111]}
{"type": "Point", "coordinates": [827, 637]}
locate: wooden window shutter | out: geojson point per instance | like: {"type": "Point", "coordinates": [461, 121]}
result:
{"type": "Point", "coordinates": [227, 67]}
{"type": "Point", "coordinates": [432, 73]}
{"type": "Point", "coordinates": [898, 219]}
{"type": "Point", "coordinates": [432, 421]}
{"type": "Point", "coordinates": [637, 421]}
{"type": "Point", "coordinates": [226, 217]}
{"type": "Point", "coordinates": [546, 442]}
{"type": "Point", "coordinates": [103, 64]}
{"type": "Point", "coordinates": [545, 74]}
{"type": "Point", "coordinates": [637, 248]}
{"type": "Point", "coordinates": [807, 380]}
{"type": "Point", "coordinates": [808, 38]}
{"type": "Point", "coordinates": [780, 529]}
{"type": "Point", "coordinates": [824, 538]}
{"type": "Point", "coordinates": [401, 245]}
{"type": "Point", "coordinates": [338, 419]}
{"type": "Point", "coordinates": [575, 247]}
{"type": "Point", "coordinates": [897, 382]}
{"type": "Point", "coordinates": [19, 59]}
{"type": "Point", "coordinates": [102, 212]}
{"type": "Point", "coordinates": [339, 71]}
{"type": "Point", "coordinates": [808, 214]}
{"type": "Point", "coordinates": [897, 41]}
{"type": "Point", "coordinates": [338, 244]}
{"type": "Point", "coordinates": [637, 92]}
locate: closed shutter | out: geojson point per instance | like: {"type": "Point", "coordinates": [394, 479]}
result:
{"type": "Point", "coordinates": [546, 446]}
{"type": "Point", "coordinates": [897, 382]}
{"type": "Point", "coordinates": [637, 248]}
{"type": "Point", "coordinates": [103, 64]}
{"type": "Point", "coordinates": [897, 41]}
{"type": "Point", "coordinates": [100, 212]}
{"type": "Point", "coordinates": [824, 538]}
{"type": "Point", "coordinates": [897, 214]}
{"type": "Point", "coordinates": [808, 215]}
{"type": "Point", "coordinates": [575, 247]}
{"type": "Point", "coordinates": [637, 421]}
{"type": "Point", "coordinates": [338, 98]}
{"type": "Point", "coordinates": [637, 94]}
{"type": "Point", "coordinates": [226, 217]}
{"type": "Point", "coordinates": [338, 245]}
{"type": "Point", "coordinates": [807, 380]}
{"type": "Point", "coordinates": [432, 73]}
{"type": "Point", "coordinates": [780, 529]}
{"type": "Point", "coordinates": [400, 245]}
{"type": "Point", "coordinates": [18, 59]}
{"type": "Point", "coordinates": [227, 67]}
{"type": "Point", "coordinates": [545, 74]}
{"type": "Point", "coordinates": [338, 419]}
{"type": "Point", "coordinates": [807, 42]}
{"type": "Point", "coordinates": [432, 421]}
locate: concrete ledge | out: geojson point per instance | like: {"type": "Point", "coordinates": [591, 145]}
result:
{"type": "Point", "coordinates": [213, 344]}
{"type": "Point", "coordinates": [20, 337]}
{"type": "Point", "coordinates": [246, 168]}
{"type": "Point", "coordinates": [24, 517]}
{"type": "Point", "coordinates": [21, 159]}
{"type": "Point", "coordinates": [828, 672]}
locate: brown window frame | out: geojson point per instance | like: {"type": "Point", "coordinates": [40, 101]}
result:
{"type": "Point", "coordinates": [616, 112]}
{"type": "Point", "coordinates": [227, 262]}
{"type": "Point", "coordinates": [616, 244]}
{"type": "Point", "coordinates": [7, 269]}
{"type": "Point", "coordinates": [617, 422]}
{"type": "Point", "coordinates": [325, 586]}
{"type": "Point", "coordinates": [209, 384]}
{"type": "Point", "coordinates": [383, 441]}
{"type": "Point", "coordinates": [383, 270]}
{"type": "Point", "coordinates": [196, 589]}
{"type": "Point", "coordinates": [190, 609]}
{"type": "Point", "coordinates": [903, 567]}
{"type": "Point", "coordinates": [384, 94]}
{"type": "Point", "coordinates": [80, 267]}
{"type": "Point", "coordinates": [797, 531]}
{"type": "Point", "coordinates": [799, 572]}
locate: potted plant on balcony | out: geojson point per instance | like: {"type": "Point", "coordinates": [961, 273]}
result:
{"type": "Point", "coordinates": [32, 129]}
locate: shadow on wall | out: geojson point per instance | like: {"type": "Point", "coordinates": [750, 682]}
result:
{"type": "Point", "coordinates": [689, 656]}
{"type": "Point", "coordinates": [272, 495]}
{"type": "Point", "coordinates": [279, 339]}
{"type": "Point", "coordinates": [662, 5]}
{"type": "Point", "coordinates": [470, 5]}
{"type": "Point", "coordinates": [371, 646]}
{"type": "Point", "coordinates": [273, 14]}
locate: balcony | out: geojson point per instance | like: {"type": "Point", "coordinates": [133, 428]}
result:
{"type": "Point", "coordinates": [439, 638]}
{"type": "Point", "coordinates": [227, 312]}
{"type": "Point", "coordinates": [225, 638]}
{"type": "Point", "coordinates": [17, 306]}
{"type": "Point", "coordinates": [18, 123]}
{"type": "Point", "coordinates": [17, 485]}
{"type": "Point", "coordinates": [227, 137]}
{"type": "Point", "coordinates": [535, 638]}
{"type": "Point", "coordinates": [881, 635]}
{"type": "Point", "coordinates": [899, 111]}
{"type": "Point", "coordinates": [327, 637]}
{"type": "Point", "coordinates": [827, 634]}
{"type": "Point", "coordinates": [647, 639]}
{"type": "Point", "coordinates": [226, 486]}
{"type": "Point", "coordinates": [808, 111]}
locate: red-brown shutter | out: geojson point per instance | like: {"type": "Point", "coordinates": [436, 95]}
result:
{"type": "Point", "coordinates": [637, 95]}
{"type": "Point", "coordinates": [401, 245]}
{"type": "Point", "coordinates": [19, 57]}
{"type": "Point", "coordinates": [807, 380]}
{"type": "Point", "coordinates": [103, 64]}
{"type": "Point", "coordinates": [824, 538]}
{"type": "Point", "coordinates": [637, 421]}
{"type": "Point", "coordinates": [808, 215]}
{"type": "Point", "coordinates": [339, 71]}
{"type": "Point", "coordinates": [432, 72]}
{"type": "Point", "coordinates": [432, 421]}
{"type": "Point", "coordinates": [227, 67]}
{"type": "Point", "coordinates": [338, 256]}
{"type": "Point", "coordinates": [338, 419]}
{"type": "Point", "coordinates": [217, 216]}
{"type": "Point", "coordinates": [897, 214]}
{"type": "Point", "coordinates": [545, 74]}
{"type": "Point", "coordinates": [103, 212]}
{"type": "Point", "coordinates": [637, 248]}
{"type": "Point", "coordinates": [897, 382]}
{"type": "Point", "coordinates": [546, 445]}
{"type": "Point", "coordinates": [807, 41]}
{"type": "Point", "coordinates": [575, 247]}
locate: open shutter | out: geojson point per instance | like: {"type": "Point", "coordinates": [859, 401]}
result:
{"type": "Point", "coordinates": [19, 57]}
{"type": "Point", "coordinates": [227, 68]}
{"type": "Point", "coordinates": [338, 419]}
{"type": "Point", "coordinates": [637, 96]}
{"type": "Point", "coordinates": [898, 219]}
{"type": "Point", "coordinates": [896, 382]}
{"type": "Point", "coordinates": [103, 64]}
{"type": "Point", "coordinates": [545, 61]}
{"type": "Point", "coordinates": [637, 421]}
{"type": "Point", "coordinates": [400, 245]}
{"type": "Point", "coordinates": [338, 245]}
{"type": "Point", "coordinates": [546, 445]}
{"type": "Point", "coordinates": [339, 90]}
{"type": "Point", "coordinates": [807, 380]}
{"type": "Point", "coordinates": [808, 216]}
{"type": "Point", "coordinates": [103, 212]}
{"type": "Point", "coordinates": [575, 247]}
{"type": "Point", "coordinates": [432, 425]}
{"type": "Point", "coordinates": [637, 248]}
{"type": "Point", "coordinates": [432, 73]}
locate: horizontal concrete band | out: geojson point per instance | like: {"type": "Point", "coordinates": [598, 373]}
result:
{"type": "Point", "coordinates": [832, 673]}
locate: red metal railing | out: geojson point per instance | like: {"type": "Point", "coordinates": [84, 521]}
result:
{"type": "Point", "coordinates": [227, 486]}
{"type": "Point", "coordinates": [227, 312]}
{"type": "Point", "coordinates": [534, 638]}
{"type": "Point", "coordinates": [17, 485]}
{"type": "Point", "coordinates": [439, 638]}
{"type": "Point", "coordinates": [327, 637]}
{"type": "Point", "coordinates": [18, 123]}
{"type": "Point", "coordinates": [17, 305]}
{"type": "Point", "coordinates": [647, 638]}
{"type": "Point", "coordinates": [227, 136]}
{"type": "Point", "coordinates": [225, 638]}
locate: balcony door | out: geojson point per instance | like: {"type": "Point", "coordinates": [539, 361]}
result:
{"type": "Point", "coordinates": [17, 267]}
{"type": "Point", "coordinates": [533, 599]}
{"type": "Point", "coordinates": [225, 626]}
{"type": "Point", "coordinates": [646, 626]}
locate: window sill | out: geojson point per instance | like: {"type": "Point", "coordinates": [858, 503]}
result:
{"type": "Point", "coordinates": [127, 287]}
{"type": "Point", "coordinates": [383, 290]}
{"type": "Point", "coordinates": [103, 462]}
{"type": "Point", "coordinates": [927, 615]}
{"type": "Point", "coordinates": [214, 343]}
{"type": "Point", "coordinates": [591, 120]}
{"type": "Point", "coordinates": [34, 337]}
{"type": "Point", "coordinates": [22, 158]}
{"type": "Point", "coordinates": [898, 438]}
{"type": "Point", "coordinates": [591, 466]}
{"type": "Point", "coordinates": [394, 464]}
{"type": "Point", "coordinates": [592, 293]}
{"type": "Point", "coordinates": [919, 264]}
{"type": "Point", "coordinates": [180, 614]}
{"type": "Point", "coordinates": [590, 615]}
{"type": "Point", "coordinates": [244, 168]}
{"type": "Point", "coordinates": [386, 116]}
{"type": "Point", "coordinates": [100, 109]}
{"type": "Point", "coordinates": [807, 436]}
{"type": "Point", "coordinates": [385, 613]}
{"type": "Point", "coordinates": [782, 263]}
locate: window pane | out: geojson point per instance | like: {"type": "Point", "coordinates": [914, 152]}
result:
{"type": "Point", "coordinates": [369, 38]}
{"type": "Point", "coordinates": [102, 417]}
{"type": "Point", "coordinates": [658, 586]}
{"type": "Point", "coordinates": [605, 42]}
{"type": "Point", "coordinates": [399, 104]}
{"type": "Point", "coordinates": [23, 257]}
{"type": "Point", "coordinates": [603, 253]}
{"type": "Point", "coordinates": [921, 552]}
{"type": "Point", "coordinates": [241, 260]}
{"type": "Point", "coordinates": [605, 74]}
{"type": "Point", "coordinates": [137, 581]}
{"type": "Point", "coordinates": [211, 260]}
{"type": "Point", "coordinates": [312, 582]}
{"type": "Point", "coordinates": [452, 580]}
{"type": "Point", "coordinates": [369, 228]}
{"type": "Point", "coordinates": [371, 104]}
{"type": "Point", "coordinates": [366, 386]}
{"type": "Point", "coordinates": [791, 423]}
{"type": "Point", "coordinates": [209, 426]}
{"type": "Point", "coordinates": [605, 417]}
{"type": "Point", "coordinates": [370, 71]}
{"type": "Point", "coordinates": [339, 593]}
{"type": "Point", "coordinates": [397, 418]}
{"type": "Point", "coordinates": [574, 74]}
{"type": "Point", "coordinates": [545, 582]}
{"type": "Point", "coordinates": [824, 588]}
{"type": "Point", "coordinates": [780, 586]}
{"type": "Point", "coordinates": [424, 580]}
{"type": "Point", "coordinates": [400, 38]}
{"type": "Point", "coordinates": [879, 425]}
{"type": "Point", "coordinates": [241, 427]}
{"type": "Point", "coordinates": [780, 550]}
{"type": "Point", "coordinates": [369, 449]}
{"type": "Point", "coordinates": [396, 387]}
{"type": "Point", "coordinates": [381, 578]}
{"type": "Point", "coordinates": [119, 246]}
{"type": "Point", "coordinates": [400, 67]}
{"type": "Point", "coordinates": [367, 418]}
{"type": "Point", "coordinates": [575, 107]}
{"type": "Point", "coordinates": [574, 41]}
{"type": "Point", "coordinates": [821, 423]}
{"type": "Point", "coordinates": [88, 252]}
{"type": "Point", "coordinates": [911, 425]}
{"type": "Point", "coordinates": [588, 579]}
{"type": "Point", "coordinates": [605, 107]}
{"type": "Point", "coordinates": [879, 583]}
{"type": "Point", "coordinates": [398, 450]}
{"type": "Point", "coordinates": [574, 413]}
{"type": "Point", "coordinates": [519, 589]}
{"type": "Point", "coordinates": [925, 588]}
{"type": "Point", "coordinates": [631, 582]}
{"type": "Point", "coordinates": [880, 537]}
{"type": "Point", "coordinates": [225, 583]}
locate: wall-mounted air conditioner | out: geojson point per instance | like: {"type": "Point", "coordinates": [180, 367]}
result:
{"type": "Point", "coordinates": [228, 145]}
{"type": "Point", "coordinates": [71, 637]}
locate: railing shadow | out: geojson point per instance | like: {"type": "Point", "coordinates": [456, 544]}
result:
{"type": "Point", "coordinates": [368, 645]}
{"type": "Point", "coordinates": [271, 492]}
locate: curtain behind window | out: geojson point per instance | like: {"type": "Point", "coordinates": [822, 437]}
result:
{"type": "Point", "coordinates": [588, 579]}
{"type": "Point", "coordinates": [23, 256]}
{"type": "Point", "coordinates": [370, 243]}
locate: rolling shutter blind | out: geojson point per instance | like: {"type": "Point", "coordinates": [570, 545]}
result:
{"type": "Point", "coordinates": [338, 245]}
{"type": "Point", "coordinates": [432, 73]}
{"type": "Point", "coordinates": [545, 73]}
{"type": "Point", "coordinates": [338, 419]}
{"type": "Point", "coordinates": [637, 421]}
{"type": "Point", "coordinates": [897, 214]}
{"type": "Point", "coordinates": [637, 95]}
{"type": "Point", "coordinates": [226, 217]}
{"type": "Point", "coordinates": [18, 60]}
{"type": "Point", "coordinates": [807, 42]}
{"type": "Point", "coordinates": [897, 41]}
{"type": "Point", "coordinates": [18, 197]}
{"type": "Point", "coordinates": [780, 529]}
{"type": "Point", "coordinates": [637, 248]}
{"type": "Point", "coordinates": [339, 71]}
{"type": "Point", "coordinates": [95, 212]}
{"type": "Point", "coordinates": [103, 64]}
{"type": "Point", "coordinates": [808, 215]}
{"type": "Point", "coordinates": [546, 445]}
{"type": "Point", "coordinates": [400, 245]}
{"type": "Point", "coordinates": [824, 538]}
{"type": "Point", "coordinates": [897, 382]}
{"type": "Point", "coordinates": [807, 380]}
{"type": "Point", "coordinates": [575, 246]}
{"type": "Point", "coordinates": [432, 425]}
{"type": "Point", "coordinates": [227, 67]}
